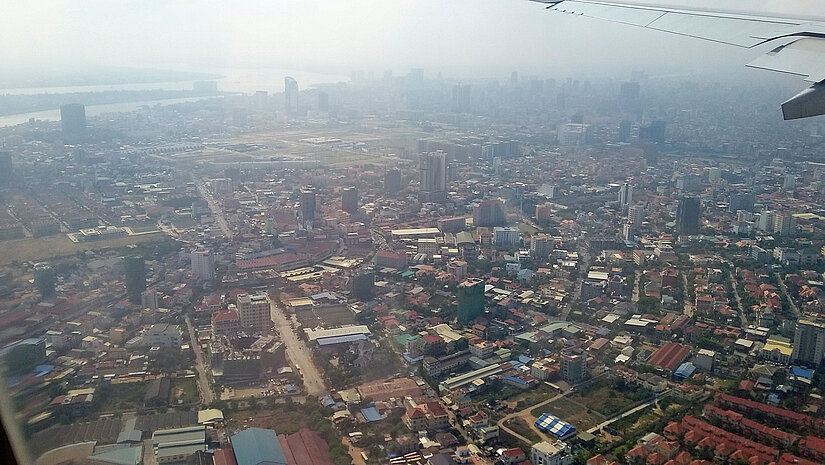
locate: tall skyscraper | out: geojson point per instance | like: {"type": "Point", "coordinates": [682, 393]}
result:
{"type": "Point", "coordinates": [291, 94]}
{"type": "Point", "coordinates": [687, 216]}
{"type": "Point", "coordinates": [433, 175]}
{"type": "Point", "coordinates": [654, 132]}
{"type": "Point", "coordinates": [392, 182]}
{"type": "Point", "coordinates": [471, 301]}
{"type": "Point", "coordinates": [809, 341]}
{"type": "Point", "coordinates": [73, 122]}
{"type": "Point", "coordinates": [5, 169]}
{"type": "Point", "coordinates": [308, 206]}
{"type": "Point", "coordinates": [489, 213]}
{"type": "Point", "coordinates": [203, 265]}
{"type": "Point", "coordinates": [625, 195]}
{"type": "Point", "coordinates": [349, 200]}
{"type": "Point", "coordinates": [323, 101]}
{"type": "Point", "coordinates": [766, 220]}
{"type": "Point", "coordinates": [135, 268]}
{"type": "Point", "coordinates": [789, 182]}
{"type": "Point", "coordinates": [44, 279]}
{"type": "Point", "coordinates": [461, 98]}
{"type": "Point", "coordinates": [149, 299]}
{"type": "Point", "coordinates": [625, 130]}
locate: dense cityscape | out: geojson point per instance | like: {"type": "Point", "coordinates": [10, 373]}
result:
{"type": "Point", "coordinates": [411, 269]}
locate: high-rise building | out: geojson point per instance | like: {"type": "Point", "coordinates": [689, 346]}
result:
{"type": "Point", "coordinates": [471, 300]}
{"type": "Point", "coordinates": [741, 201]}
{"type": "Point", "coordinates": [254, 312]}
{"type": "Point", "coordinates": [654, 132]}
{"type": "Point", "coordinates": [625, 130]}
{"type": "Point", "coordinates": [789, 182]}
{"type": "Point", "coordinates": [392, 182]}
{"type": "Point", "coordinates": [636, 215]}
{"type": "Point", "coordinates": [73, 122]}
{"type": "Point", "coordinates": [714, 174]}
{"type": "Point", "coordinates": [784, 224]}
{"type": "Point", "coordinates": [809, 341]}
{"type": "Point", "coordinates": [308, 205]}
{"type": "Point", "coordinates": [203, 265]}
{"type": "Point", "coordinates": [766, 221]}
{"type": "Point", "coordinates": [544, 213]}
{"type": "Point", "coordinates": [625, 195]}
{"type": "Point", "coordinates": [541, 245]}
{"type": "Point", "coordinates": [291, 94]}
{"type": "Point", "coordinates": [433, 175]}
{"type": "Point", "coordinates": [44, 279]}
{"type": "Point", "coordinates": [149, 299]}
{"type": "Point", "coordinates": [575, 134]}
{"type": "Point", "coordinates": [573, 367]}
{"type": "Point", "coordinates": [323, 101]}
{"type": "Point", "coordinates": [489, 213]}
{"type": "Point", "coordinates": [135, 268]}
{"type": "Point", "coordinates": [5, 169]}
{"type": "Point", "coordinates": [363, 284]}
{"type": "Point", "coordinates": [349, 200]}
{"type": "Point", "coordinates": [687, 216]}
{"type": "Point", "coordinates": [461, 98]}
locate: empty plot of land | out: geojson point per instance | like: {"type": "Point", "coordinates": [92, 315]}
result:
{"type": "Point", "coordinates": [33, 249]}
{"type": "Point", "coordinates": [569, 412]}
{"type": "Point", "coordinates": [336, 317]}
{"type": "Point", "coordinates": [610, 397]}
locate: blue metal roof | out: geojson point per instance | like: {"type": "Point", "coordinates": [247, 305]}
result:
{"type": "Point", "coordinates": [256, 446]}
{"type": "Point", "coordinates": [802, 372]}
{"type": "Point", "coordinates": [371, 414]}
{"type": "Point", "coordinates": [685, 370]}
{"type": "Point", "coordinates": [555, 426]}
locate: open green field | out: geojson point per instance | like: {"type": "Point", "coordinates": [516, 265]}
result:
{"type": "Point", "coordinates": [527, 229]}
{"type": "Point", "coordinates": [184, 389]}
{"type": "Point", "coordinates": [124, 396]}
{"type": "Point", "coordinates": [337, 317]}
{"type": "Point", "coordinates": [41, 248]}
{"type": "Point", "coordinates": [610, 397]}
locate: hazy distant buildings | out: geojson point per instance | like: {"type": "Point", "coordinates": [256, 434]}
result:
{"type": "Point", "coordinates": [392, 182]}
{"type": "Point", "coordinates": [323, 101]}
{"type": "Point", "coordinates": [73, 123]}
{"type": "Point", "coordinates": [741, 201]}
{"type": "Point", "coordinates": [654, 132]}
{"type": "Point", "coordinates": [135, 270]}
{"type": "Point", "coordinates": [573, 134]}
{"type": "Point", "coordinates": [789, 182]}
{"type": "Point", "coordinates": [461, 98]}
{"type": "Point", "coordinates": [433, 175]}
{"type": "Point", "coordinates": [308, 205]}
{"type": "Point", "coordinates": [5, 169]}
{"type": "Point", "coordinates": [203, 265]}
{"type": "Point", "coordinates": [291, 94]}
{"type": "Point", "coordinates": [687, 216]}
{"type": "Point", "coordinates": [625, 130]}
{"type": "Point", "coordinates": [149, 299]}
{"type": "Point", "coordinates": [349, 200]}
{"type": "Point", "coordinates": [489, 213]}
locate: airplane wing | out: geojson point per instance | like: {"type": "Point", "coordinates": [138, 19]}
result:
{"type": "Point", "coordinates": [803, 54]}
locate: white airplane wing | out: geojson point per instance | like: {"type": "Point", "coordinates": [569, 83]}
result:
{"type": "Point", "coordinates": [803, 54]}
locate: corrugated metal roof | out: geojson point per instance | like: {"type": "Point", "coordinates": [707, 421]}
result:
{"type": "Point", "coordinates": [256, 446]}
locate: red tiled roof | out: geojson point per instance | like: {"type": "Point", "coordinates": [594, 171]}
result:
{"type": "Point", "coordinates": [305, 447]}
{"type": "Point", "coordinates": [669, 356]}
{"type": "Point", "coordinates": [814, 444]}
{"type": "Point", "coordinates": [764, 408]}
{"type": "Point", "coordinates": [224, 315]}
{"type": "Point", "coordinates": [267, 262]}
{"type": "Point", "coordinates": [224, 457]}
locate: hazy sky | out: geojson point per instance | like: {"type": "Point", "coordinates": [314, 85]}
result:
{"type": "Point", "coordinates": [459, 37]}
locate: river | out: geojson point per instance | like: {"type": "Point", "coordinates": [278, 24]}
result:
{"type": "Point", "coordinates": [243, 80]}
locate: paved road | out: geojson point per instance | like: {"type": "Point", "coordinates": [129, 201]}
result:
{"type": "Point", "coordinates": [742, 316]}
{"type": "Point", "coordinates": [297, 351]}
{"type": "Point", "coordinates": [629, 412]}
{"type": "Point", "coordinates": [584, 266]}
{"type": "Point", "coordinates": [207, 396]}
{"type": "Point", "coordinates": [217, 210]}
{"type": "Point", "coordinates": [788, 295]}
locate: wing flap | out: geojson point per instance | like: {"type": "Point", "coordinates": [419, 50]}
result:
{"type": "Point", "coordinates": [727, 28]}
{"type": "Point", "coordinates": [803, 57]}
